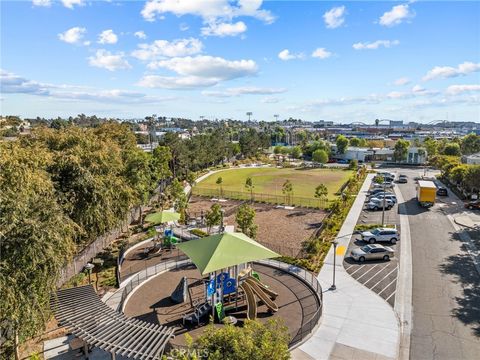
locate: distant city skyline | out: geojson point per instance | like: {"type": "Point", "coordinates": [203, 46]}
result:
{"type": "Point", "coordinates": [349, 61]}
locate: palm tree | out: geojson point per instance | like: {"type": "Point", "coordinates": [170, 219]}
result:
{"type": "Point", "coordinates": [249, 113]}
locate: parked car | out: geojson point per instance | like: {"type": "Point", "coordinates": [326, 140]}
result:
{"type": "Point", "coordinates": [442, 191]}
{"type": "Point", "coordinates": [473, 205]}
{"type": "Point", "coordinates": [402, 179]}
{"type": "Point", "coordinates": [342, 161]}
{"type": "Point", "coordinates": [372, 252]}
{"type": "Point", "coordinates": [388, 196]}
{"type": "Point", "coordinates": [377, 204]}
{"type": "Point", "coordinates": [379, 194]}
{"type": "Point", "coordinates": [381, 234]}
{"type": "Point", "coordinates": [374, 191]}
{"type": "Point", "coordinates": [386, 185]}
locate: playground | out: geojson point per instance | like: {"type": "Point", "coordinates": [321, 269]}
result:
{"type": "Point", "coordinates": [269, 181]}
{"type": "Point", "coordinates": [227, 278]}
{"type": "Point", "coordinates": [283, 230]}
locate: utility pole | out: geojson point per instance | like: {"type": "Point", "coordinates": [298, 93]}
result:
{"type": "Point", "coordinates": [384, 200]}
{"type": "Point", "coordinates": [249, 113]}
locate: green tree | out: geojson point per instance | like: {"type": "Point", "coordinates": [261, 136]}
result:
{"type": "Point", "coordinates": [470, 144]}
{"type": "Point", "coordinates": [342, 144]}
{"type": "Point", "coordinates": [431, 146]}
{"type": "Point", "coordinates": [35, 242]}
{"type": "Point", "coordinates": [219, 182]}
{"type": "Point", "coordinates": [296, 152]}
{"type": "Point", "coordinates": [213, 216]}
{"type": "Point", "coordinates": [353, 164]}
{"type": "Point", "coordinates": [245, 218]}
{"type": "Point", "coordinates": [254, 341]}
{"type": "Point", "coordinates": [354, 142]}
{"type": "Point", "coordinates": [452, 149]}
{"type": "Point", "coordinates": [277, 150]}
{"type": "Point", "coordinates": [321, 192]}
{"type": "Point", "coordinates": [287, 190]}
{"type": "Point", "coordinates": [320, 156]}
{"type": "Point", "coordinates": [458, 174]}
{"type": "Point", "coordinates": [249, 186]}
{"type": "Point", "coordinates": [400, 150]}
{"type": "Point", "coordinates": [472, 178]}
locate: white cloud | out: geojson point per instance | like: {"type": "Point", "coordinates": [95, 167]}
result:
{"type": "Point", "coordinates": [198, 71]}
{"type": "Point", "coordinates": [271, 100]}
{"type": "Point", "coordinates": [73, 35]}
{"type": "Point", "coordinates": [107, 37]}
{"type": "Point", "coordinates": [45, 3]}
{"type": "Point", "coordinates": [224, 29]}
{"type": "Point", "coordinates": [287, 55]}
{"type": "Point", "coordinates": [334, 17]}
{"type": "Point", "coordinates": [163, 48]}
{"type": "Point", "coordinates": [209, 10]}
{"type": "Point", "coordinates": [71, 3]}
{"type": "Point", "coordinates": [443, 72]}
{"type": "Point", "coordinates": [247, 90]}
{"type": "Point", "coordinates": [402, 81]}
{"type": "Point", "coordinates": [396, 15]}
{"type": "Point", "coordinates": [184, 27]}
{"type": "Point", "coordinates": [321, 53]}
{"type": "Point", "coordinates": [106, 60]}
{"type": "Point", "coordinates": [398, 95]}
{"type": "Point", "coordinates": [14, 84]}
{"type": "Point", "coordinates": [375, 45]}
{"type": "Point", "coordinates": [459, 89]}
{"type": "Point", "coordinates": [140, 34]}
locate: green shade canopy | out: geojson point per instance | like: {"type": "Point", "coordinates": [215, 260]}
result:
{"type": "Point", "coordinates": [220, 251]}
{"type": "Point", "coordinates": [162, 217]}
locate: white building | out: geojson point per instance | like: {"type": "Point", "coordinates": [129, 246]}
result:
{"type": "Point", "coordinates": [473, 159]}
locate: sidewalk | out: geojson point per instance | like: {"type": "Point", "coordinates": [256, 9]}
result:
{"type": "Point", "coordinates": [356, 323]}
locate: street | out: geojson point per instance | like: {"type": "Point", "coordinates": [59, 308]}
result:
{"type": "Point", "coordinates": [446, 284]}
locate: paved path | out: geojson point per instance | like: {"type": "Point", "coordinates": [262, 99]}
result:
{"type": "Point", "coordinates": [356, 323]}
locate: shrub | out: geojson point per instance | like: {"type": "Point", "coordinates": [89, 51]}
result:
{"type": "Point", "coordinates": [199, 233]}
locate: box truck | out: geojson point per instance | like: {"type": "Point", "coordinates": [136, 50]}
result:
{"type": "Point", "coordinates": [426, 193]}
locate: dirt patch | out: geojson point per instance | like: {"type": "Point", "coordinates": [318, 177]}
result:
{"type": "Point", "coordinates": [281, 230]}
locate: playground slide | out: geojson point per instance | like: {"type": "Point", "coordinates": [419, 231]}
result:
{"type": "Point", "coordinates": [273, 295]}
{"type": "Point", "coordinates": [251, 301]}
{"type": "Point", "coordinates": [253, 284]}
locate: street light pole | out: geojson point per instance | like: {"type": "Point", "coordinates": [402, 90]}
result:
{"type": "Point", "coordinates": [383, 211]}
{"type": "Point", "coordinates": [334, 287]}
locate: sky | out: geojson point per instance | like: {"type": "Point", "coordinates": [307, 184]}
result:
{"type": "Point", "coordinates": [347, 61]}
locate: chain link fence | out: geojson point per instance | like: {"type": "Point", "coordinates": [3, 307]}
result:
{"type": "Point", "coordinates": [286, 200]}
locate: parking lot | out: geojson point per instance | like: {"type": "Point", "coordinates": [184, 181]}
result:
{"type": "Point", "coordinates": [379, 276]}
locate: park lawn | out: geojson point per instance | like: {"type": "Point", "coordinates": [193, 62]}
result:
{"type": "Point", "coordinates": [270, 180]}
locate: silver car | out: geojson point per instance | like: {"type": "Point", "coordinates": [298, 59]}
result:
{"type": "Point", "coordinates": [377, 204]}
{"type": "Point", "coordinates": [372, 252]}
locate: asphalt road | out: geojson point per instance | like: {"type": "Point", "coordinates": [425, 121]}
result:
{"type": "Point", "coordinates": [446, 286]}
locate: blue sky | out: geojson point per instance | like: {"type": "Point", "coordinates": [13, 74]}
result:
{"type": "Point", "coordinates": [340, 61]}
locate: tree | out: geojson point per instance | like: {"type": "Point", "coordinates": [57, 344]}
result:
{"type": "Point", "coordinates": [470, 144]}
{"type": "Point", "coordinates": [296, 152]}
{"type": "Point", "coordinates": [320, 156]}
{"type": "Point", "coordinates": [213, 216]}
{"type": "Point", "coordinates": [255, 341]}
{"type": "Point", "coordinates": [35, 242]}
{"type": "Point", "coordinates": [353, 164]}
{"type": "Point", "coordinates": [249, 186]}
{"type": "Point", "coordinates": [277, 149]}
{"type": "Point", "coordinates": [287, 190]}
{"type": "Point", "coordinates": [219, 182]}
{"type": "Point", "coordinates": [354, 142]}
{"type": "Point", "coordinates": [431, 146]}
{"type": "Point", "coordinates": [245, 219]}
{"type": "Point", "coordinates": [400, 150]}
{"type": "Point", "coordinates": [452, 149]}
{"type": "Point", "coordinates": [472, 178]}
{"type": "Point", "coordinates": [321, 192]}
{"type": "Point", "coordinates": [342, 144]}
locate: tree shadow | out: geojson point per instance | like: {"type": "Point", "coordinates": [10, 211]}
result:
{"type": "Point", "coordinates": [462, 267]}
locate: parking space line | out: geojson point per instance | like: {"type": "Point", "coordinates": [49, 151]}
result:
{"type": "Point", "coordinates": [386, 287]}
{"type": "Point", "coordinates": [384, 278]}
{"type": "Point", "coordinates": [359, 268]}
{"type": "Point", "coordinates": [346, 269]}
{"type": "Point", "coordinates": [366, 272]}
{"type": "Point", "coordinates": [388, 298]}
{"type": "Point", "coordinates": [378, 272]}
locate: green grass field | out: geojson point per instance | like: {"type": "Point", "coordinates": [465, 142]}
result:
{"type": "Point", "coordinates": [270, 180]}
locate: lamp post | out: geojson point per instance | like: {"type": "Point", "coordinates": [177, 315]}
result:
{"type": "Point", "coordinates": [335, 243]}
{"type": "Point", "coordinates": [89, 267]}
{"type": "Point", "coordinates": [384, 200]}
{"type": "Point", "coordinates": [222, 227]}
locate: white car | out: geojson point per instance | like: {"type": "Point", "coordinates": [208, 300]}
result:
{"type": "Point", "coordinates": [387, 185]}
{"type": "Point", "coordinates": [380, 196]}
{"type": "Point", "coordinates": [381, 234]}
{"type": "Point", "coordinates": [377, 204]}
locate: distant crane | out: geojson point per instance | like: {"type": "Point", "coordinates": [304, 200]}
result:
{"type": "Point", "coordinates": [249, 113]}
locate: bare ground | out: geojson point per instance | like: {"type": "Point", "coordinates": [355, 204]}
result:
{"type": "Point", "coordinates": [280, 229]}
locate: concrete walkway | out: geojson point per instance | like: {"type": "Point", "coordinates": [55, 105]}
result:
{"type": "Point", "coordinates": [356, 323]}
